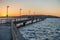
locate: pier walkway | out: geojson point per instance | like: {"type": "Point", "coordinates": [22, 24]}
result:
{"type": "Point", "coordinates": [5, 33]}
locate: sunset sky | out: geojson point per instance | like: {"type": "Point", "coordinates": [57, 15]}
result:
{"type": "Point", "coordinates": [45, 7]}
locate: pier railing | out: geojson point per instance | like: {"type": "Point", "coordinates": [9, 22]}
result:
{"type": "Point", "coordinates": [15, 34]}
{"type": "Point", "coordinates": [26, 22]}
{"type": "Point", "coordinates": [17, 22]}
{"type": "Point", "coordinates": [4, 20]}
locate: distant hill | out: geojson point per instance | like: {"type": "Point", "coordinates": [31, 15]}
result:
{"type": "Point", "coordinates": [24, 16]}
{"type": "Point", "coordinates": [49, 16]}
{"type": "Point", "coordinates": [46, 16]}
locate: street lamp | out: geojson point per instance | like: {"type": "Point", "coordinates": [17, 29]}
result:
{"type": "Point", "coordinates": [7, 11]}
{"type": "Point", "coordinates": [20, 11]}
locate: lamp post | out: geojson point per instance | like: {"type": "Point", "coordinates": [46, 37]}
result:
{"type": "Point", "coordinates": [20, 11]}
{"type": "Point", "coordinates": [7, 13]}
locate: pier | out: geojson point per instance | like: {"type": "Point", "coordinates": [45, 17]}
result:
{"type": "Point", "coordinates": [16, 35]}
{"type": "Point", "coordinates": [16, 23]}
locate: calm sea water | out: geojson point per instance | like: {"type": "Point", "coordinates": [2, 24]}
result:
{"type": "Point", "coordinates": [48, 29]}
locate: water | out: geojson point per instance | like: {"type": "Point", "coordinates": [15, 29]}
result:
{"type": "Point", "coordinates": [48, 29]}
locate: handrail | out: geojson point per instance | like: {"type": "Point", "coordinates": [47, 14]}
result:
{"type": "Point", "coordinates": [16, 35]}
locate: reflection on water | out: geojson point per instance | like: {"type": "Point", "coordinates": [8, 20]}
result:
{"type": "Point", "coordinates": [48, 29]}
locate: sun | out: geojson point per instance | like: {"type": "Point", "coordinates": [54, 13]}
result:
{"type": "Point", "coordinates": [3, 14]}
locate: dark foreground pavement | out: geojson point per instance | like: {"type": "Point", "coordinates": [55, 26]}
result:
{"type": "Point", "coordinates": [5, 33]}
